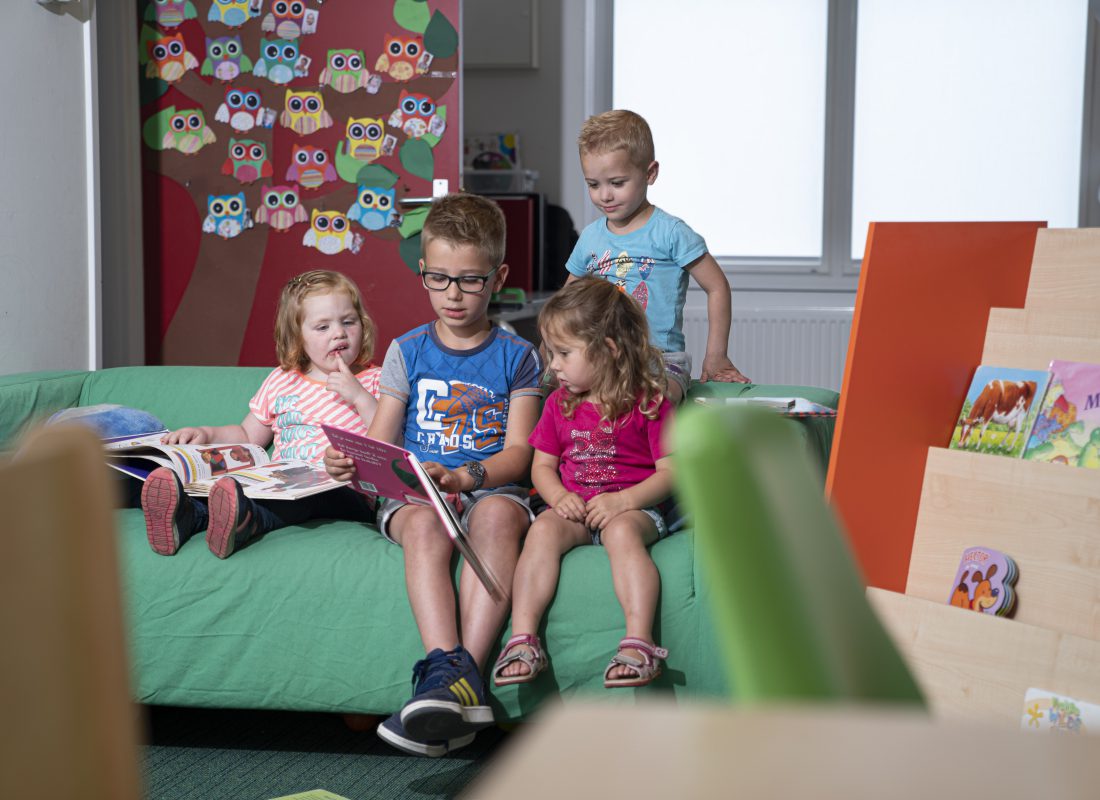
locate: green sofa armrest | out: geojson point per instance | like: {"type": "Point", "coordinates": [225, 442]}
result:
{"type": "Point", "coordinates": [27, 397]}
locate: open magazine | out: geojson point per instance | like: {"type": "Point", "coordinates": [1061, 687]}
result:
{"type": "Point", "coordinates": [200, 465]}
{"type": "Point", "coordinates": [386, 470]}
{"type": "Point", "coordinates": [788, 406]}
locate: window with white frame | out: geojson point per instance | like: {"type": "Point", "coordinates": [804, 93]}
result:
{"type": "Point", "coordinates": [964, 109]}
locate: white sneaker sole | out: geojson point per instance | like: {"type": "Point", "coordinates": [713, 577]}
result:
{"type": "Point", "coordinates": [429, 749]}
{"type": "Point", "coordinates": [432, 720]}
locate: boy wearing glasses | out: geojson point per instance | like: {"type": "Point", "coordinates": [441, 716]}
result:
{"type": "Point", "coordinates": [464, 396]}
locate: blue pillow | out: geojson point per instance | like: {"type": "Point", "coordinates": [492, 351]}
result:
{"type": "Point", "coordinates": [109, 420]}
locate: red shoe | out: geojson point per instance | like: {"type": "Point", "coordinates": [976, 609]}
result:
{"type": "Point", "coordinates": [169, 517]}
{"type": "Point", "coordinates": [231, 524]}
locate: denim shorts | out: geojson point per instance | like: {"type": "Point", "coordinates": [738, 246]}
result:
{"type": "Point", "coordinates": [463, 507]}
{"type": "Point", "coordinates": [678, 367]}
{"type": "Point", "coordinates": [666, 516]}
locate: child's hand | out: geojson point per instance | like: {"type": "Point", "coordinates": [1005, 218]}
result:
{"type": "Point", "coordinates": [571, 506]}
{"type": "Point", "coordinates": [342, 381]}
{"type": "Point", "coordinates": [604, 507]}
{"type": "Point", "coordinates": [449, 481]}
{"type": "Point", "coordinates": [185, 436]}
{"type": "Point", "coordinates": [338, 465]}
{"type": "Point", "coordinates": [720, 368]}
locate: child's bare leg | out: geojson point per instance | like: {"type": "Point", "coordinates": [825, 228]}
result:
{"type": "Point", "coordinates": [536, 579]}
{"type": "Point", "coordinates": [496, 526]}
{"type": "Point", "coordinates": [428, 552]}
{"type": "Point", "coordinates": [634, 575]}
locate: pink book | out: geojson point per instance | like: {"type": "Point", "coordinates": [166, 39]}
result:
{"type": "Point", "coordinates": [386, 470]}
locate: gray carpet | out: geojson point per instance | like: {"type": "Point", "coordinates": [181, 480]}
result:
{"type": "Point", "coordinates": [200, 754]}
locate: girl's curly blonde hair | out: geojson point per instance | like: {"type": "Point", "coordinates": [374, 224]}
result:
{"type": "Point", "coordinates": [597, 313]}
{"type": "Point", "coordinates": [288, 319]}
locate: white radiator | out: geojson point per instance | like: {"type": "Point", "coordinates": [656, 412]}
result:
{"type": "Point", "coordinates": [803, 346]}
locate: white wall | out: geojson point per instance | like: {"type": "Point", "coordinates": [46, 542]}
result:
{"type": "Point", "coordinates": [44, 245]}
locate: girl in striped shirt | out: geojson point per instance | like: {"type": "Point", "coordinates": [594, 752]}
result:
{"type": "Point", "coordinates": [324, 341]}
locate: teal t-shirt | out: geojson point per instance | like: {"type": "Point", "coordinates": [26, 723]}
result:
{"type": "Point", "coordinates": [648, 264]}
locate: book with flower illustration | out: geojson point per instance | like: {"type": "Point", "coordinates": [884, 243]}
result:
{"type": "Point", "coordinates": [999, 409]}
{"type": "Point", "coordinates": [386, 470]}
{"type": "Point", "coordinates": [1067, 430]}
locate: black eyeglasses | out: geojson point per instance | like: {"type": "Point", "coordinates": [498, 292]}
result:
{"type": "Point", "coordinates": [467, 284]}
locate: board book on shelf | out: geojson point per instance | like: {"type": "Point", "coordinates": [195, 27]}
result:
{"type": "Point", "coordinates": [200, 465]}
{"type": "Point", "coordinates": [985, 582]}
{"type": "Point", "coordinates": [999, 409]}
{"type": "Point", "coordinates": [1052, 712]}
{"type": "Point", "coordinates": [1067, 428]}
{"type": "Point", "coordinates": [386, 470]}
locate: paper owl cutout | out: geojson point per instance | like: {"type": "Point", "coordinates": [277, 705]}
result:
{"type": "Point", "coordinates": [401, 57]}
{"type": "Point", "coordinates": [242, 109]}
{"type": "Point", "coordinates": [233, 13]}
{"type": "Point", "coordinates": [304, 112]}
{"type": "Point", "coordinates": [170, 13]}
{"type": "Point", "coordinates": [247, 161]}
{"type": "Point", "coordinates": [227, 215]}
{"type": "Point", "coordinates": [285, 19]}
{"type": "Point", "coordinates": [188, 132]}
{"type": "Point", "coordinates": [364, 138]}
{"type": "Point", "coordinates": [330, 233]}
{"type": "Point", "coordinates": [345, 71]}
{"type": "Point", "coordinates": [277, 60]}
{"type": "Point", "coordinates": [415, 115]}
{"type": "Point", "coordinates": [169, 58]}
{"type": "Point", "coordinates": [374, 208]}
{"type": "Point", "coordinates": [310, 167]}
{"type": "Point", "coordinates": [280, 207]}
{"type": "Point", "coordinates": [225, 58]}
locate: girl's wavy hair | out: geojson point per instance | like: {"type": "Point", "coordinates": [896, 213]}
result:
{"type": "Point", "coordinates": [288, 319]}
{"type": "Point", "coordinates": [593, 311]}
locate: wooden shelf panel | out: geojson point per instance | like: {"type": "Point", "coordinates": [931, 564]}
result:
{"type": "Point", "coordinates": [1045, 516]}
{"type": "Point", "coordinates": [1030, 338]}
{"type": "Point", "coordinates": [977, 667]}
{"type": "Point", "coordinates": [1065, 270]}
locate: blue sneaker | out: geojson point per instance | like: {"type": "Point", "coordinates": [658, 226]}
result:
{"type": "Point", "coordinates": [392, 732]}
{"type": "Point", "coordinates": [449, 701]}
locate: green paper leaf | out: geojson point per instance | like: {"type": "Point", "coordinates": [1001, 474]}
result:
{"type": "Point", "coordinates": [152, 132]}
{"type": "Point", "coordinates": [376, 175]}
{"type": "Point", "coordinates": [148, 34]}
{"type": "Point", "coordinates": [347, 167]}
{"type": "Point", "coordinates": [150, 89]}
{"type": "Point", "coordinates": [410, 253]}
{"type": "Point", "coordinates": [412, 15]}
{"type": "Point", "coordinates": [417, 158]}
{"type": "Point", "coordinates": [440, 37]}
{"type": "Point", "coordinates": [412, 223]}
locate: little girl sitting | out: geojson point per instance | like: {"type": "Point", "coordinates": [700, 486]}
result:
{"type": "Point", "coordinates": [324, 341]}
{"type": "Point", "coordinates": [600, 464]}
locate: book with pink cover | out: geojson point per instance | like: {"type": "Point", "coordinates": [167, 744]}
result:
{"type": "Point", "coordinates": [386, 470]}
{"type": "Point", "coordinates": [1067, 430]}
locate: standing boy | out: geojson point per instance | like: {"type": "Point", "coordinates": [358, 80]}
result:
{"type": "Point", "coordinates": [464, 396]}
{"type": "Point", "coordinates": [646, 252]}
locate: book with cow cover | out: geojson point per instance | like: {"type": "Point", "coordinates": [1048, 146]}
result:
{"type": "Point", "coordinates": [999, 410]}
{"type": "Point", "coordinates": [1067, 428]}
{"type": "Point", "coordinates": [386, 470]}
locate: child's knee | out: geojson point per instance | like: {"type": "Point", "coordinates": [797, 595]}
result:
{"type": "Point", "coordinates": [627, 531]}
{"type": "Point", "coordinates": [499, 516]}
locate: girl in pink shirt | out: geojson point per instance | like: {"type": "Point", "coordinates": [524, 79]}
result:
{"type": "Point", "coordinates": [601, 466]}
{"type": "Point", "coordinates": [324, 341]}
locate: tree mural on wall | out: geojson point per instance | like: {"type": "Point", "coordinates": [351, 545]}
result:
{"type": "Point", "coordinates": [285, 135]}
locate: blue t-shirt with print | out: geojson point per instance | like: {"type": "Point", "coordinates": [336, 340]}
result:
{"type": "Point", "coordinates": [648, 264]}
{"type": "Point", "coordinates": [457, 401]}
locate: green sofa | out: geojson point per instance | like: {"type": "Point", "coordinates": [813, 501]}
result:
{"type": "Point", "coordinates": [315, 617]}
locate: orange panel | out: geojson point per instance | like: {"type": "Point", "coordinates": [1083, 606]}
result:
{"type": "Point", "coordinates": [925, 291]}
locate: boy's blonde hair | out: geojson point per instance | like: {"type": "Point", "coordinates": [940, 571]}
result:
{"type": "Point", "coordinates": [288, 318]}
{"type": "Point", "coordinates": [618, 130]}
{"type": "Point", "coordinates": [594, 311]}
{"type": "Point", "coordinates": [466, 219]}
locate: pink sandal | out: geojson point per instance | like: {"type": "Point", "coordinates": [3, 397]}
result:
{"type": "Point", "coordinates": [646, 668]}
{"type": "Point", "coordinates": [533, 657]}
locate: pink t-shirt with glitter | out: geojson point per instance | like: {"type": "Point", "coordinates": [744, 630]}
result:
{"type": "Point", "coordinates": [597, 457]}
{"type": "Point", "coordinates": [294, 407]}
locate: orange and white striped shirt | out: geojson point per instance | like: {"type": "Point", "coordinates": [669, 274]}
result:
{"type": "Point", "coordinates": [294, 407]}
